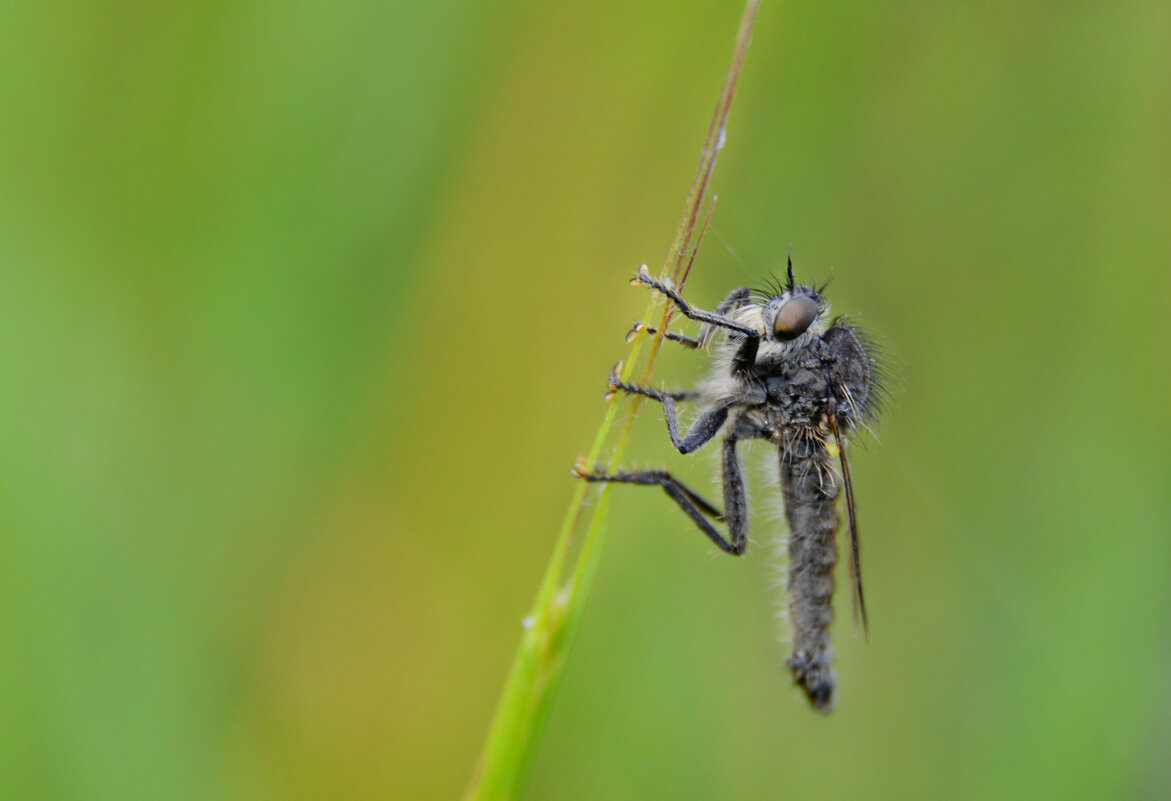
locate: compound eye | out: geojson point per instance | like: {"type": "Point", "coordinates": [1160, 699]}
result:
{"type": "Point", "coordinates": [796, 315]}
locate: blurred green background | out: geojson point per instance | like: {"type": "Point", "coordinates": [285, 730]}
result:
{"type": "Point", "coordinates": [306, 310]}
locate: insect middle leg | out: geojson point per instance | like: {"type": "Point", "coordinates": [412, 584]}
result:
{"type": "Point", "coordinates": [701, 431]}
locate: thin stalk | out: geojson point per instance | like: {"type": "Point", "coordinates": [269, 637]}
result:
{"type": "Point", "coordinates": [557, 612]}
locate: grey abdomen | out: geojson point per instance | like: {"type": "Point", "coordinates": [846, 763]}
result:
{"type": "Point", "coordinates": [811, 489]}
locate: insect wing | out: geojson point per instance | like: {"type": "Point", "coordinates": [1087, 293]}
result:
{"type": "Point", "coordinates": [853, 555]}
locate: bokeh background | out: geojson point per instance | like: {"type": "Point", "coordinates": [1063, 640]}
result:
{"type": "Point", "coordinates": [306, 310]}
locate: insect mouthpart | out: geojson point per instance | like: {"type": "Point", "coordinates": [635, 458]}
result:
{"type": "Point", "coordinates": [794, 317]}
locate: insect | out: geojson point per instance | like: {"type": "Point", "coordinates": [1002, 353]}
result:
{"type": "Point", "coordinates": [784, 372]}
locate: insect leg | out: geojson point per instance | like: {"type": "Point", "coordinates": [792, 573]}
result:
{"type": "Point", "coordinates": [649, 392]}
{"type": "Point", "coordinates": [710, 318]}
{"type": "Point", "coordinates": [732, 302]}
{"type": "Point", "coordinates": [706, 426]}
{"type": "Point", "coordinates": [735, 498]}
{"type": "Point", "coordinates": [674, 336]}
{"type": "Point", "coordinates": [701, 431]}
{"type": "Point", "coordinates": [692, 504]}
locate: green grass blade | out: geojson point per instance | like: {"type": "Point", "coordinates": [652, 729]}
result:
{"type": "Point", "coordinates": [551, 627]}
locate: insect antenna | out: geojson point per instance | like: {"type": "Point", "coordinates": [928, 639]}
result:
{"type": "Point", "coordinates": [769, 289]}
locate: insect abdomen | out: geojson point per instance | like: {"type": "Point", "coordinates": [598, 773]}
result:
{"type": "Point", "coordinates": [811, 490]}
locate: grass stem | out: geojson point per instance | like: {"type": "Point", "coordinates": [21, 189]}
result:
{"type": "Point", "coordinates": [557, 612]}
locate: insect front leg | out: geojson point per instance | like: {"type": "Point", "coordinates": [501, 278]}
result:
{"type": "Point", "coordinates": [718, 320]}
{"type": "Point", "coordinates": [733, 301]}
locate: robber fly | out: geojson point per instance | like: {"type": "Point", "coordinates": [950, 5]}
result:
{"type": "Point", "coordinates": [786, 373]}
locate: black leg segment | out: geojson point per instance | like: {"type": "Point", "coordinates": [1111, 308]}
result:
{"type": "Point", "coordinates": [674, 336]}
{"type": "Point", "coordinates": [735, 497]}
{"type": "Point", "coordinates": [710, 318]}
{"type": "Point", "coordinates": [702, 430]}
{"type": "Point", "coordinates": [735, 299]}
{"type": "Point", "coordinates": [692, 504]}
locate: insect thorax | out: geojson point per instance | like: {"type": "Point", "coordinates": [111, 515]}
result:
{"type": "Point", "coordinates": [800, 383]}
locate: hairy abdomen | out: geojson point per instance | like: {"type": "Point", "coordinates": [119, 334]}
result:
{"type": "Point", "coordinates": [811, 490]}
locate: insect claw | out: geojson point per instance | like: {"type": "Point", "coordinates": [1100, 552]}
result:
{"type": "Point", "coordinates": [643, 277]}
{"type": "Point", "coordinates": [614, 377]}
{"type": "Point", "coordinates": [580, 469]}
{"type": "Point", "coordinates": [634, 331]}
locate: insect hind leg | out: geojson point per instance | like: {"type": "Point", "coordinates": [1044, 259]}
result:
{"type": "Point", "coordinates": [692, 503]}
